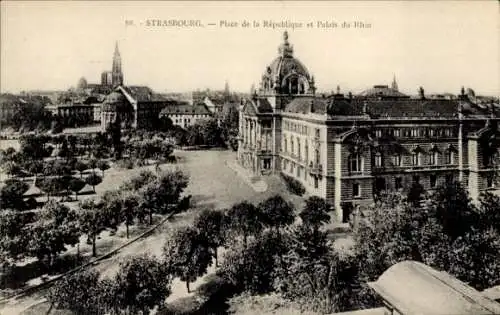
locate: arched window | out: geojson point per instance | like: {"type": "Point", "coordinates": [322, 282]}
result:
{"type": "Point", "coordinates": [285, 145]}
{"type": "Point", "coordinates": [292, 146]}
{"type": "Point", "coordinates": [316, 156]}
{"type": "Point", "coordinates": [355, 163]}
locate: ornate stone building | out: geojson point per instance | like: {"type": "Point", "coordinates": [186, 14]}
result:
{"type": "Point", "coordinates": [347, 149]}
{"type": "Point", "coordinates": [133, 107]}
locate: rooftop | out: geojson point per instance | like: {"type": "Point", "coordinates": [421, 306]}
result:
{"type": "Point", "coordinates": [412, 287]}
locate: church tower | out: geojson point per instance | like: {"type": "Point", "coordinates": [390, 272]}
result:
{"type": "Point", "coordinates": [116, 72]}
{"type": "Point", "coordinates": [394, 84]}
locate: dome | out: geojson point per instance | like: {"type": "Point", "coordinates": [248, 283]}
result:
{"type": "Point", "coordinates": [82, 84]}
{"type": "Point", "coordinates": [285, 65]}
{"type": "Point", "coordinates": [286, 74]}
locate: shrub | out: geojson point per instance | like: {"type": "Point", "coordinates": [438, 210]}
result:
{"type": "Point", "coordinates": [293, 185]}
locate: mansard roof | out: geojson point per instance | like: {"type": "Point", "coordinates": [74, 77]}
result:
{"type": "Point", "coordinates": [385, 108]}
{"type": "Point", "coordinates": [306, 105]}
{"type": "Point", "coordinates": [257, 106]}
{"type": "Point", "coordinates": [186, 109]}
{"type": "Point", "coordinates": [382, 91]}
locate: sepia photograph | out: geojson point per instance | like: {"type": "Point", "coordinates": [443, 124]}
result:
{"type": "Point", "coordinates": [249, 157]}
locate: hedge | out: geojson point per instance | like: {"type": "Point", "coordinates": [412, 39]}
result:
{"type": "Point", "coordinates": [293, 185]}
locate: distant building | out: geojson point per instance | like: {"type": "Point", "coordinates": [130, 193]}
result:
{"type": "Point", "coordinates": [349, 149]}
{"type": "Point", "coordinates": [135, 107]}
{"type": "Point", "coordinates": [186, 115]}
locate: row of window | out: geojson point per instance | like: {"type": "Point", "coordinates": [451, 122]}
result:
{"type": "Point", "coordinates": [186, 121]}
{"type": "Point", "coordinates": [355, 161]}
{"type": "Point", "coordinates": [298, 128]}
{"type": "Point", "coordinates": [299, 152]}
{"type": "Point", "coordinates": [298, 170]}
{"type": "Point", "coordinates": [415, 132]}
{"type": "Point", "coordinates": [398, 183]}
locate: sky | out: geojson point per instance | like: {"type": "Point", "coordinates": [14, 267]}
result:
{"type": "Point", "coordinates": [440, 46]}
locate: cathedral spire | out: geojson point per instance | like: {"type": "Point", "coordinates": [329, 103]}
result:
{"type": "Point", "coordinates": [116, 71]}
{"type": "Point", "coordinates": [394, 84]}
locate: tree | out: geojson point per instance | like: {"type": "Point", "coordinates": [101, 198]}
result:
{"type": "Point", "coordinates": [81, 167]}
{"type": "Point", "coordinates": [454, 209]}
{"type": "Point", "coordinates": [415, 193]}
{"type": "Point", "coordinates": [93, 180]}
{"type": "Point", "coordinates": [11, 195]}
{"type": "Point", "coordinates": [48, 240]}
{"type": "Point", "coordinates": [129, 207]}
{"type": "Point", "coordinates": [75, 185]}
{"type": "Point", "coordinates": [112, 209]}
{"type": "Point", "coordinates": [475, 258]}
{"type": "Point", "coordinates": [245, 219]}
{"type": "Point", "coordinates": [315, 212]}
{"type": "Point", "coordinates": [78, 293]}
{"type": "Point", "coordinates": [161, 195]}
{"type": "Point", "coordinates": [186, 254]}
{"type": "Point", "coordinates": [252, 267]}
{"type": "Point", "coordinates": [489, 212]}
{"type": "Point", "coordinates": [91, 221]}
{"type": "Point", "coordinates": [394, 230]}
{"type": "Point", "coordinates": [12, 239]}
{"type": "Point", "coordinates": [276, 212]}
{"type": "Point", "coordinates": [138, 181]}
{"type": "Point", "coordinates": [141, 284]}
{"type": "Point", "coordinates": [60, 168]}
{"type": "Point", "coordinates": [324, 284]}
{"type": "Point", "coordinates": [102, 165]}
{"type": "Point", "coordinates": [209, 224]}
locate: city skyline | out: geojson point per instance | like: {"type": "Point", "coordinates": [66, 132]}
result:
{"type": "Point", "coordinates": [440, 46]}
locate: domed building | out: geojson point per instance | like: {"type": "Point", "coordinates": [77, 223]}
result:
{"type": "Point", "coordinates": [286, 75]}
{"type": "Point", "coordinates": [82, 84]}
{"type": "Point", "coordinates": [349, 149]}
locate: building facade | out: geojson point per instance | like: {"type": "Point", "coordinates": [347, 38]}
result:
{"type": "Point", "coordinates": [135, 107]}
{"type": "Point", "coordinates": [348, 149]}
{"type": "Point", "coordinates": [184, 115]}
